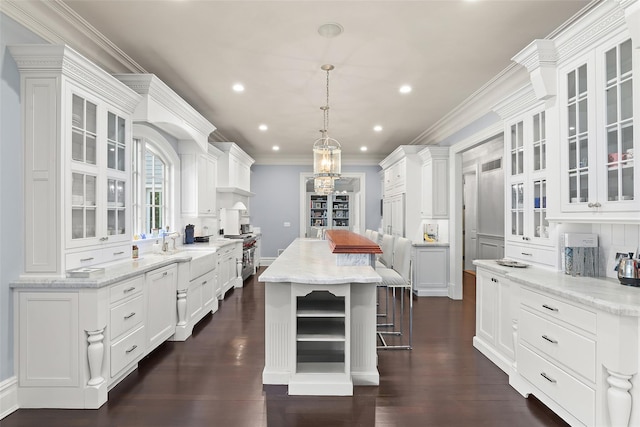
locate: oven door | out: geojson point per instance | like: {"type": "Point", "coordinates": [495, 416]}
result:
{"type": "Point", "coordinates": [248, 255]}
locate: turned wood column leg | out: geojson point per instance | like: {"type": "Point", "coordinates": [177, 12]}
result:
{"type": "Point", "coordinates": [619, 398]}
{"type": "Point", "coordinates": [182, 307]}
{"type": "Point", "coordinates": [95, 356]}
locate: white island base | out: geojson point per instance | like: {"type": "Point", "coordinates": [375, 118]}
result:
{"type": "Point", "coordinates": [320, 322]}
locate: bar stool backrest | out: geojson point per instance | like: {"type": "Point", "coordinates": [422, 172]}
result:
{"type": "Point", "coordinates": [375, 237]}
{"type": "Point", "coordinates": [387, 250]}
{"type": "Point", "coordinates": [367, 233]}
{"type": "Point", "coordinates": [402, 257]}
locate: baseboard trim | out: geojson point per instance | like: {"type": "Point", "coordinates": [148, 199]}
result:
{"type": "Point", "coordinates": [8, 396]}
{"type": "Point", "coordinates": [266, 261]}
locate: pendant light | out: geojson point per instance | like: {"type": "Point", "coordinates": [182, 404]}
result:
{"type": "Point", "coordinates": [326, 152]}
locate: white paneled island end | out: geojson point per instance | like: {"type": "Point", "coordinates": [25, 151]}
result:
{"type": "Point", "coordinates": [320, 322]}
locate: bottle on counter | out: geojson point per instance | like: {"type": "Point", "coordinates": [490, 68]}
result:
{"type": "Point", "coordinates": [134, 252]}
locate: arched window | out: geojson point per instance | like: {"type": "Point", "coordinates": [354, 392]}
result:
{"type": "Point", "coordinates": [152, 173]}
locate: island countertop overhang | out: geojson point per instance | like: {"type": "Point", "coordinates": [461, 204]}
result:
{"type": "Point", "coordinates": [310, 261]}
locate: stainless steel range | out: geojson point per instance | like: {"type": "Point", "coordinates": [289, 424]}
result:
{"type": "Point", "coordinates": [248, 253]}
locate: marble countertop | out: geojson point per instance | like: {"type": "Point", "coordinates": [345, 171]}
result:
{"type": "Point", "coordinates": [598, 292]}
{"type": "Point", "coordinates": [123, 270]}
{"type": "Point", "coordinates": [310, 261]}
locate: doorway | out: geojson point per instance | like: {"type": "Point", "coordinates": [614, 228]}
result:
{"type": "Point", "coordinates": [339, 210]}
{"type": "Point", "coordinates": [469, 218]}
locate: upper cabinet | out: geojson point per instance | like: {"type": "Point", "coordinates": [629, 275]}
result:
{"type": "Point", "coordinates": [199, 177]}
{"type": "Point", "coordinates": [77, 139]}
{"type": "Point", "coordinates": [597, 138]}
{"type": "Point", "coordinates": [435, 182]}
{"type": "Point", "coordinates": [528, 233]}
{"type": "Point", "coordinates": [587, 77]}
{"type": "Point", "coordinates": [234, 169]}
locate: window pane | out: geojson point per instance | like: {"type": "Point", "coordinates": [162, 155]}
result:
{"type": "Point", "coordinates": [91, 149]}
{"type": "Point", "coordinates": [571, 85]}
{"type": "Point", "coordinates": [611, 62]}
{"type": "Point", "coordinates": [626, 100]}
{"type": "Point", "coordinates": [92, 117]}
{"type": "Point", "coordinates": [625, 57]}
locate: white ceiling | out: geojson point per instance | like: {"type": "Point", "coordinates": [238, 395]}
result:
{"type": "Point", "coordinates": [445, 50]}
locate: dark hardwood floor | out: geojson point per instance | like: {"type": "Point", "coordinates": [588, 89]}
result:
{"type": "Point", "coordinates": [214, 379]}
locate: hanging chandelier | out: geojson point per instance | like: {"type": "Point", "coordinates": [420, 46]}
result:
{"type": "Point", "coordinates": [326, 152]}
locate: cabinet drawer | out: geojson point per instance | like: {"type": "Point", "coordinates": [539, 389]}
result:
{"type": "Point", "coordinates": [83, 259]}
{"type": "Point", "coordinates": [532, 254]}
{"type": "Point", "coordinates": [126, 289]}
{"type": "Point", "coordinates": [115, 253]}
{"type": "Point", "coordinates": [126, 316]}
{"type": "Point", "coordinates": [570, 349]}
{"type": "Point", "coordinates": [127, 350]}
{"type": "Point", "coordinates": [574, 396]}
{"type": "Point", "coordinates": [571, 314]}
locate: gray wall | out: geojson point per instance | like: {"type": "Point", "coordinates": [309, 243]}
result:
{"type": "Point", "coordinates": [277, 200]}
{"type": "Point", "coordinates": [11, 181]}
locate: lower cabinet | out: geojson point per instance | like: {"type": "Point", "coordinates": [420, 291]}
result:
{"type": "Point", "coordinates": [430, 270]}
{"type": "Point", "coordinates": [228, 274]}
{"type": "Point", "coordinates": [496, 316]}
{"type": "Point", "coordinates": [161, 305]}
{"type": "Point", "coordinates": [74, 344]}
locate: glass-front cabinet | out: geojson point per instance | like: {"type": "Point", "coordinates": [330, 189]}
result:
{"type": "Point", "coordinates": [526, 149]}
{"type": "Point", "coordinates": [99, 172]}
{"type": "Point", "coordinates": [597, 130]}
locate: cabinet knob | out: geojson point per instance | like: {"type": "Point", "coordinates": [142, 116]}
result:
{"type": "Point", "coordinates": [594, 204]}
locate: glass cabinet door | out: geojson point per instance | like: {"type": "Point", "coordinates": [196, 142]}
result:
{"type": "Point", "coordinates": [619, 123]}
{"type": "Point", "coordinates": [578, 135]}
{"type": "Point", "coordinates": [83, 130]}
{"type": "Point", "coordinates": [517, 209]}
{"type": "Point", "coordinates": [116, 165]}
{"type": "Point", "coordinates": [83, 206]}
{"type": "Point", "coordinates": [540, 225]}
{"type": "Point", "coordinates": [517, 148]}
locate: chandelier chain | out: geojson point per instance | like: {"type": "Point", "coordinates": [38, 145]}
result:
{"type": "Point", "coordinates": [326, 110]}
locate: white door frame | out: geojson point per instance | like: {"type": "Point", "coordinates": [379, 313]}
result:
{"type": "Point", "coordinates": [455, 203]}
{"type": "Point", "coordinates": [361, 199]}
{"type": "Point", "coordinates": [471, 170]}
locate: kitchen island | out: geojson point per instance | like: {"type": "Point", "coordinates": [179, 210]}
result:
{"type": "Point", "coordinates": [320, 322]}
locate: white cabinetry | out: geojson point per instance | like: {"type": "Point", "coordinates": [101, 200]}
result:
{"type": "Point", "coordinates": [598, 106]}
{"type": "Point", "coordinates": [495, 318]}
{"type": "Point", "coordinates": [430, 270]}
{"type": "Point", "coordinates": [435, 182]}
{"type": "Point", "coordinates": [234, 169]}
{"type": "Point", "coordinates": [198, 182]}
{"type": "Point", "coordinates": [77, 139]}
{"type": "Point", "coordinates": [402, 199]}
{"type": "Point", "coordinates": [229, 274]}
{"type": "Point", "coordinates": [161, 305]}
{"type": "Point", "coordinates": [198, 298]}
{"type": "Point", "coordinates": [529, 236]}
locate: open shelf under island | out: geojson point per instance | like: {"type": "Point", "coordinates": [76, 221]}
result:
{"type": "Point", "coordinates": [320, 321]}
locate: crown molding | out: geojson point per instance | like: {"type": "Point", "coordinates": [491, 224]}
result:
{"type": "Point", "coordinates": [518, 102]}
{"type": "Point", "coordinates": [57, 23]}
{"type": "Point", "coordinates": [399, 153]}
{"type": "Point", "coordinates": [40, 60]}
{"type": "Point", "coordinates": [235, 150]}
{"type": "Point", "coordinates": [307, 160]}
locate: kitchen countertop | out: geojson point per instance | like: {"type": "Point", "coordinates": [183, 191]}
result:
{"type": "Point", "coordinates": [310, 261]}
{"type": "Point", "coordinates": [123, 270]}
{"type": "Point", "coordinates": [598, 292]}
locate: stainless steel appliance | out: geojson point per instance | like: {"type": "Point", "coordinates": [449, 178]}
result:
{"type": "Point", "coordinates": [245, 228]}
{"type": "Point", "coordinates": [248, 253]}
{"type": "Point", "coordinates": [629, 271]}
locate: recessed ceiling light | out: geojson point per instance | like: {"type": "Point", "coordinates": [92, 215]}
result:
{"type": "Point", "coordinates": [238, 87]}
{"type": "Point", "coordinates": [405, 89]}
{"type": "Point", "coordinates": [363, 148]}
{"type": "Point", "coordinates": [330, 30]}
{"type": "Point", "coordinates": [377, 128]}
{"type": "Point", "coordinates": [275, 148]}
{"type": "Point", "coordinates": [263, 127]}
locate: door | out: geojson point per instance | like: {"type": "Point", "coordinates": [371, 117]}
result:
{"type": "Point", "coordinates": [470, 219]}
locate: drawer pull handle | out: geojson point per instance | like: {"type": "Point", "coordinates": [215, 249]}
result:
{"type": "Point", "coordinates": [104, 239]}
{"type": "Point", "coordinates": [547, 377]}
{"type": "Point", "coordinates": [118, 253]}
{"type": "Point", "coordinates": [551, 340]}
{"type": "Point", "coordinates": [130, 315]}
{"type": "Point", "coordinates": [86, 259]}
{"type": "Point", "coordinates": [133, 347]}
{"type": "Point", "coordinates": [526, 254]}
{"type": "Point", "coordinates": [126, 291]}
{"type": "Point", "coordinates": [204, 283]}
{"type": "Point", "coordinates": [165, 273]}
{"type": "Point", "coordinates": [549, 307]}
